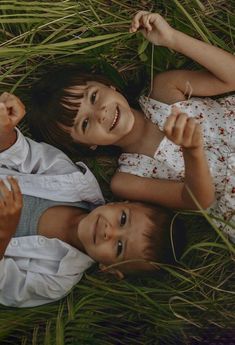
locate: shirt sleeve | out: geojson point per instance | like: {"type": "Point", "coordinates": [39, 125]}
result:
{"type": "Point", "coordinates": [28, 156]}
{"type": "Point", "coordinates": [23, 288]}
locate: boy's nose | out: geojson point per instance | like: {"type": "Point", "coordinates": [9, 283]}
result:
{"type": "Point", "coordinates": [109, 232]}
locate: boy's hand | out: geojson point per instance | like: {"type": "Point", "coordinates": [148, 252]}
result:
{"type": "Point", "coordinates": [12, 110]}
{"type": "Point", "coordinates": [183, 130]}
{"type": "Point", "coordinates": [154, 28]}
{"type": "Point", "coordinates": [11, 203]}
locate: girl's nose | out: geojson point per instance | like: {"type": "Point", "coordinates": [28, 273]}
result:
{"type": "Point", "coordinates": [101, 114]}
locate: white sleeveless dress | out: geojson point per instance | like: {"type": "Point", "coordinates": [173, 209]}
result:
{"type": "Point", "coordinates": [217, 119]}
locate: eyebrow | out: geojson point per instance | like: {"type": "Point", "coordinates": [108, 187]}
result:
{"type": "Point", "coordinates": [126, 242]}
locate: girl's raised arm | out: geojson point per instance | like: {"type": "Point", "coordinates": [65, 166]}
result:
{"type": "Point", "coordinates": [186, 132]}
{"type": "Point", "coordinates": [173, 86]}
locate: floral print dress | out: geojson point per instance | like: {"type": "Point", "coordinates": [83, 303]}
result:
{"type": "Point", "coordinates": [217, 119]}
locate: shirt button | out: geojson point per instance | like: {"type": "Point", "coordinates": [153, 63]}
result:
{"type": "Point", "coordinates": [41, 240]}
{"type": "Point", "coordinates": [14, 242]}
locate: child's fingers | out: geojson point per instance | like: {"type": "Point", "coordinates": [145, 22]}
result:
{"type": "Point", "coordinates": [169, 124]}
{"type": "Point", "coordinates": [172, 118]}
{"type": "Point", "coordinates": [146, 22]}
{"type": "Point", "coordinates": [17, 195]}
{"type": "Point", "coordinates": [136, 21]}
{"type": "Point", "coordinates": [4, 96]}
{"type": "Point", "coordinates": [179, 128]}
{"type": "Point", "coordinates": [6, 194]}
{"type": "Point", "coordinates": [197, 135]}
{"type": "Point", "coordinates": [189, 132]}
{"type": "Point", "coordinates": [150, 20]}
{"type": "Point", "coordinates": [3, 111]}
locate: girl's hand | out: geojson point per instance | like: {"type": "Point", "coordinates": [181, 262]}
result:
{"type": "Point", "coordinates": [154, 28]}
{"type": "Point", "coordinates": [183, 130]}
{"type": "Point", "coordinates": [11, 203]}
{"type": "Point", "coordinates": [12, 110]}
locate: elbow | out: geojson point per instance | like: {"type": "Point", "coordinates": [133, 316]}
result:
{"type": "Point", "coordinates": [201, 200]}
{"type": "Point", "coordinates": [208, 200]}
{"type": "Point", "coordinates": [207, 203]}
{"type": "Point", "coordinates": [116, 187]}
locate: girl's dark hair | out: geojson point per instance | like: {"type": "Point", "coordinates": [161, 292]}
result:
{"type": "Point", "coordinates": [52, 103]}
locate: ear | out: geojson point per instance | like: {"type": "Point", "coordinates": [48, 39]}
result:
{"type": "Point", "coordinates": [112, 87]}
{"type": "Point", "coordinates": [118, 274]}
{"type": "Point", "coordinates": [93, 147]}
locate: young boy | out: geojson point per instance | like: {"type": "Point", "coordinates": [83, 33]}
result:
{"type": "Point", "coordinates": [51, 229]}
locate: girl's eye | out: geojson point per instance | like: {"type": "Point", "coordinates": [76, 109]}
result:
{"type": "Point", "coordinates": [119, 248]}
{"type": "Point", "coordinates": [123, 218]}
{"type": "Point", "coordinates": [93, 97]}
{"type": "Point", "coordinates": [84, 124]}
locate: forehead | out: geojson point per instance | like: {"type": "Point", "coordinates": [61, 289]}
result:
{"type": "Point", "coordinates": [137, 239]}
{"type": "Point", "coordinates": [78, 89]}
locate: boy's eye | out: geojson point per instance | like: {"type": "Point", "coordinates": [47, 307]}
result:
{"type": "Point", "coordinates": [123, 218]}
{"type": "Point", "coordinates": [93, 97]}
{"type": "Point", "coordinates": [119, 248]}
{"type": "Point", "coordinates": [84, 124]}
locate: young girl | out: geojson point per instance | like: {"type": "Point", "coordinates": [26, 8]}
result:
{"type": "Point", "coordinates": [176, 146]}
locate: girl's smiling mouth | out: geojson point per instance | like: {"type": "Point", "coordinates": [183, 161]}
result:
{"type": "Point", "coordinates": [115, 120]}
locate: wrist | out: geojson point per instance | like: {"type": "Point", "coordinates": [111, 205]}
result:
{"type": "Point", "coordinates": [7, 140]}
{"type": "Point", "coordinates": [195, 152]}
{"type": "Point", "coordinates": [171, 43]}
{"type": "Point", "coordinates": [178, 41]}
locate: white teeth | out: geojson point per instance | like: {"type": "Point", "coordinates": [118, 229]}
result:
{"type": "Point", "coordinates": [115, 119]}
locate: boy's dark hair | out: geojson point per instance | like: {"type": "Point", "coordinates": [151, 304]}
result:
{"type": "Point", "coordinates": [164, 239]}
{"type": "Point", "coordinates": [53, 103]}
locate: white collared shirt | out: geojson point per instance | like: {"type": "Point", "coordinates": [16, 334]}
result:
{"type": "Point", "coordinates": [36, 270]}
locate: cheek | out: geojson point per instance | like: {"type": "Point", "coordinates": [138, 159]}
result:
{"type": "Point", "coordinates": [74, 135]}
{"type": "Point", "coordinates": [104, 254]}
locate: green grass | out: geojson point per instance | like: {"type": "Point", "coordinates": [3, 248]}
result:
{"type": "Point", "coordinates": [180, 303]}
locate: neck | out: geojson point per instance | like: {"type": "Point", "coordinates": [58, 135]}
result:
{"type": "Point", "coordinates": [72, 235]}
{"type": "Point", "coordinates": [133, 139]}
{"type": "Point", "coordinates": [144, 137]}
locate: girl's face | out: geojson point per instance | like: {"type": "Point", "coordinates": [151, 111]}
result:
{"type": "Point", "coordinates": [104, 116]}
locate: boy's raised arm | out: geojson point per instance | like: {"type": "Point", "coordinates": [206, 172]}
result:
{"type": "Point", "coordinates": [12, 110]}
{"type": "Point", "coordinates": [23, 154]}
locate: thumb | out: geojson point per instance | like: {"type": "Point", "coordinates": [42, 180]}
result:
{"type": "Point", "coordinates": [3, 113]}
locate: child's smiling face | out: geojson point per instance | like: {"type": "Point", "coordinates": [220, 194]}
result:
{"type": "Point", "coordinates": [114, 232]}
{"type": "Point", "coordinates": [104, 116]}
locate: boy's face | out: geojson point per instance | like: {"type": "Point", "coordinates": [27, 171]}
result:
{"type": "Point", "coordinates": [114, 232]}
{"type": "Point", "coordinates": [104, 116]}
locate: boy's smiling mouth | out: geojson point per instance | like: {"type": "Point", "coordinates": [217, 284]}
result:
{"type": "Point", "coordinates": [115, 120]}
